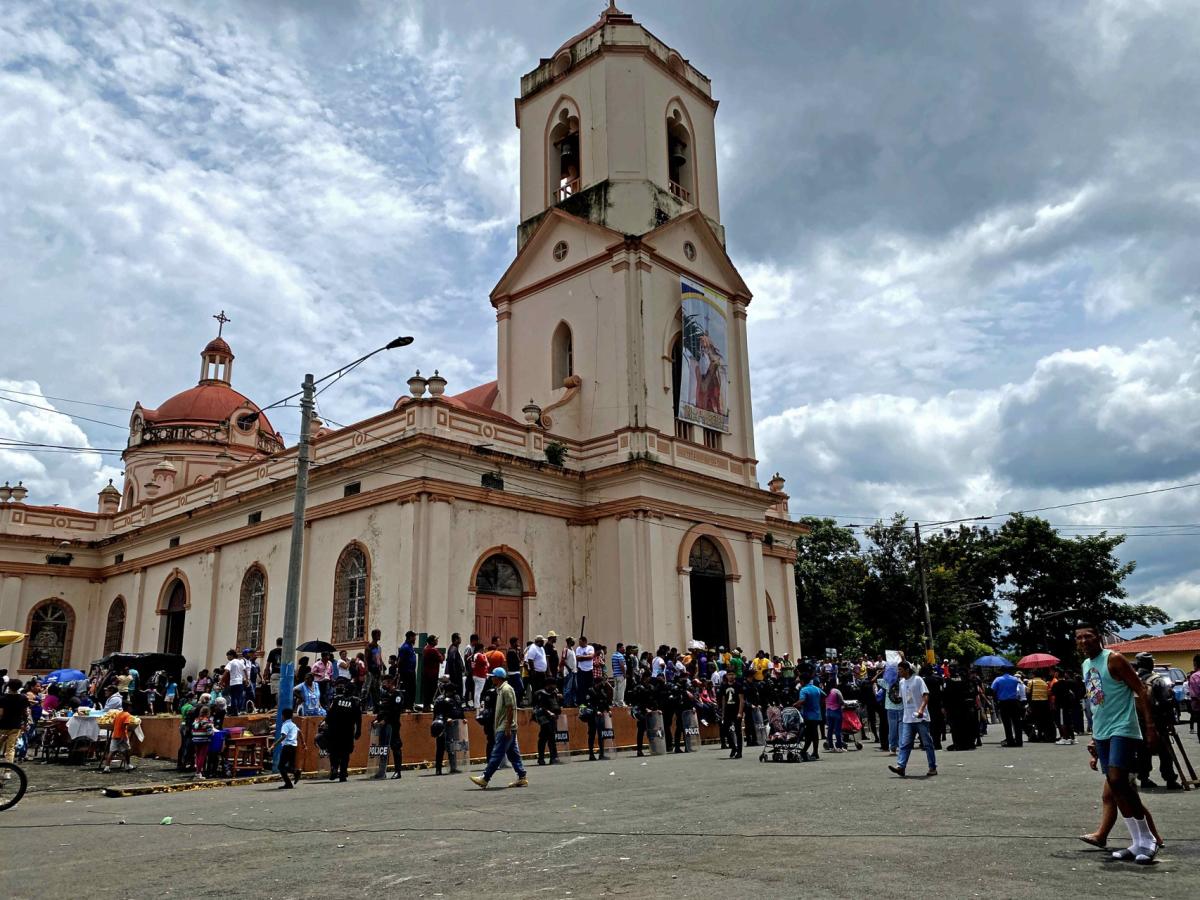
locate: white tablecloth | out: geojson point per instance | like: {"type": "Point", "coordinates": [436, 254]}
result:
{"type": "Point", "coordinates": [84, 727]}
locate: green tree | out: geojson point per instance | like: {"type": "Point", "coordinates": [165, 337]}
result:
{"type": "Point", "coordinates": [893, 613]}
{"type": "Point", "coordinates": [1055, 583]}
{"type": "Point", "coordinates": [1183, 625]}
{"type": "Point", "coordinates": [829, 582]}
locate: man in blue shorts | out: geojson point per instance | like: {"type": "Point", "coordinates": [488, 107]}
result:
{"type": "Point", "coordinates": [1115, 694]}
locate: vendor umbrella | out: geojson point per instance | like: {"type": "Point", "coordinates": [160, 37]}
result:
{"type": "Point", "coordinates": [1038, 661]}
{"type": "Point", "coordinates": [993, 662]}
{"type": "Point", "coordinates": [11, 637]}
{"type": "Point", "coordinates": [316, 647]}
{"type": "Point", "coordinates": [62, 676]}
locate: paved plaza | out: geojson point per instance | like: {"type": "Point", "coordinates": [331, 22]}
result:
{"type": "Point", "coordinates": [995, 823]}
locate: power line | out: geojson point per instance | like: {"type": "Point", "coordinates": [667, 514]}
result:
{"type": "Point", "coordinates": [63, 399]}
{"type": "Point", "coordinates": [59, 412]}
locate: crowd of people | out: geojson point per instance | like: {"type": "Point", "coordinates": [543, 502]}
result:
{"type": "Point", "coordinates": [841, 703]}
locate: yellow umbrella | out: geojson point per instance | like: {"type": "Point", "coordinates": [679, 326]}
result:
{"type": "Point", "coordinates": [11, 637]}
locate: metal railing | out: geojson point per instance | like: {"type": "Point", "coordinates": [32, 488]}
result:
{"type": "Point", "coordinates": [567, 189]}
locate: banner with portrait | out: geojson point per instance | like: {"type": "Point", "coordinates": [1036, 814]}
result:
{"type": "Point", "coordinates": [704, 373]}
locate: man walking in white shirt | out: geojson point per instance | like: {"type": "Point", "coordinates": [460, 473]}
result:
{"type": "Point", "coordinates": [915, 696]}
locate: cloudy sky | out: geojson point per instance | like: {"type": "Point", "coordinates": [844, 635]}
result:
{"type": "Point", "coordinates": [972, 231]}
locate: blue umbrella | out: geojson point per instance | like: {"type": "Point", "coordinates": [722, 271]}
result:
{"type": "Point", "coordinates": [59, 676]}
{"type": "Point", "coordinates": [995, 662]}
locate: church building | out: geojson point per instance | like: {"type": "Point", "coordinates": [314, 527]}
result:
{"type": "Point", "coordinates": [608, 472]}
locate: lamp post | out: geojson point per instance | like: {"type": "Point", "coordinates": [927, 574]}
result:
{"type": "Point", "coordinates": [291, 605]}
{"type": "Point", "coordinates": [930, 656]}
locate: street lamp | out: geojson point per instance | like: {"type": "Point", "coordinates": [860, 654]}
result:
{"type": "Point", "coordinates": [291, 607]}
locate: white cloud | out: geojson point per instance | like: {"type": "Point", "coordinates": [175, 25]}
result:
{"type": "Point", "coordinates": [52, 477]}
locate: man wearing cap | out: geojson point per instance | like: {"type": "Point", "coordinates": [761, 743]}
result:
{"type": "Point", "coordinates": [536, 664]}
{"type": "Point", "coordinates": [505, 725]}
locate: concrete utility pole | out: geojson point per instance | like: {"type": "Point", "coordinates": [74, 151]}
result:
{"type": "Point", "coordinates": [291, 606]}
{"type": "Point", "coordinates": [291, 603]}
{"type": "Point", "coordinates": [930, 657]}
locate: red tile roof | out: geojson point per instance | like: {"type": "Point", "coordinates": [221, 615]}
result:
{"type": "Point", "coordinates": [480, 400]}
{"type": "Point", "coordinates": [206, 402]}
{"type": "Point", "coordinates": [1183, 641]}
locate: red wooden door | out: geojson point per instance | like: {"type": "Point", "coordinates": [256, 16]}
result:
{"type": "Point", "coordinates": [497, 616]}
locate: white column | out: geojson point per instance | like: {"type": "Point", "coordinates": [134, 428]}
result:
{"type": "Point", "coordinates": [742, 388]}
{"type": "Point", "coordinates": [10, 618]}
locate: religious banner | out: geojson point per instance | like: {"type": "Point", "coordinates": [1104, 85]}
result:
{"type": "Point", "coordinates": [703, 379]}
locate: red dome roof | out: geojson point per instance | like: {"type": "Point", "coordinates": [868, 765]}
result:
{"type": "Point", "coordinates": [209, 402]}
{"type": "Point", "coordinates": [218, 345]}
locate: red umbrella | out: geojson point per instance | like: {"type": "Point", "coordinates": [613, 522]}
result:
{"type": "Point", "coordinates": [1038, 661]}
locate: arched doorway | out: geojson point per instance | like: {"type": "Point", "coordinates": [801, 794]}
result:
{"type": "Point", "coordinates": [498, 592]}
{"type": "Point", "coordinates": [710, 605]}
{"type": "Point", "coordinates": [174, 618]}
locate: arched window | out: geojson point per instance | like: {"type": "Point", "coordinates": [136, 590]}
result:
{"type": "Point", "coordinates": [705, 559]}
{"type": "Point", "coordinates": [562, 356]}
{"type": "Point", "coordinates": [251, 608]}
{"type": "Point", "coordinates": [679, 157]}
{"type": "Point", "coordinates": [499, 575]}
{"type": "Point", "coordinates": [114, 629]}
{"type": "Point", "coordinates": [48, 647]}
{"type": "Point", "coordinates": [350, 595]}
{"type": "Point", "coordinates": [563, 160]}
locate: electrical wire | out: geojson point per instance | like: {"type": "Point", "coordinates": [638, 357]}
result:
{"type": "Point", "coordinates": [63, 399]}
{"type": "Point", "coordinates": [59, 412]}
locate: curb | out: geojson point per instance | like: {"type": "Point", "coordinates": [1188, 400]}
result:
{"type": "Point", "coordinates": [143, 790]}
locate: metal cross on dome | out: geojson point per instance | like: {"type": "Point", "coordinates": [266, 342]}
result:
{"type": "Point", "coordinates": [222, 319]}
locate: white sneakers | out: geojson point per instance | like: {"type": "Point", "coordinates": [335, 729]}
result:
{"type": "Point", "coordinates": [1065, 742]}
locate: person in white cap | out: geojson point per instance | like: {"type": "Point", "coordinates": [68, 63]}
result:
{"type": "Point", "coordinates": [535, 663]}
{"type": "Point", "coordinates": [505, 744]}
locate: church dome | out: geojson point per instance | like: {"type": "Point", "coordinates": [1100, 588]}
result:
{"type": "Point", "coordinates": [218, 345]}
{"type": "Point", "coordinates": [206, 403]}
{"type": "Point", "coordinates": [211, 413]}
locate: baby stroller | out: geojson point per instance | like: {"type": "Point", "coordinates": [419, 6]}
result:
{"type": "Point", "coordinates": [785, 729]}
{"type": "Point", "coordinates": [851, 725]}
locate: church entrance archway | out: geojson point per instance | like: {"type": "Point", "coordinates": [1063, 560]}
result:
{"type": "Point", "coordinates": [174, 618]}
{"type": "Point", "coordinates": [710, 603]}
{"type": "Point", "coordinates": [499, 590]}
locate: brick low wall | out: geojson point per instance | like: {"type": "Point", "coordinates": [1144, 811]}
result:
{"type": "Point", "coordinates": [162, 735]}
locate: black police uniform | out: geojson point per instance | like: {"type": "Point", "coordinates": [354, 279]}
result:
{"type": "Point", "coordinates": [343, 726]}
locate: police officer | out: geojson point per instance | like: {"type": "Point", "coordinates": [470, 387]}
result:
{"type": "Point", "coordinates": [1160, 691]}
{"type": "Point", "coordinates": [599, 701]}
{"type": "Point", "coordinates": [547, 704]}
{"type": "Point", "coordinates": [447, 708]}
{"type": "Point", "coordinates": [669, 700]}
{"type": "Point", "coordinates": [485, 714]}
{"type": "Point", "coordinates": [387, 718]}
{"type": "Point", "coordinates": [343, 726]}
{"type": "Point", "coordinates": [638, 697]}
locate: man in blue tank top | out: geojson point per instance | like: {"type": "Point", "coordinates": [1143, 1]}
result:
{"type": "Point", "coordinates": [1115, 694]}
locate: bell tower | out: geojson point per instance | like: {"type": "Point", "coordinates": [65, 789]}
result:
{"type": "Point", "coordinates": [621, 321]}
{"type": "Point", "coordinates": [617, 128]}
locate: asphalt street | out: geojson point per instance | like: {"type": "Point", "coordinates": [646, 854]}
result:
{"type": "Point", "coordinates": [995, 823]}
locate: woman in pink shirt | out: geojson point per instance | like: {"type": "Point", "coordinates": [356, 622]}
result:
{"type": "Point", "coordinates": [320, 672]}
{"type": "Point", "coordinates": [833, 721]}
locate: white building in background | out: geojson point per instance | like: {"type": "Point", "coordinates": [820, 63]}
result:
{"type": "Point", "coordinates": [621, 341]}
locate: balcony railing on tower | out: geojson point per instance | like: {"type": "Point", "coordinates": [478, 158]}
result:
{"type": "Point", "coordinates": [681, 192]}
{"type": "Point", "coordinates": [566, 189]}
